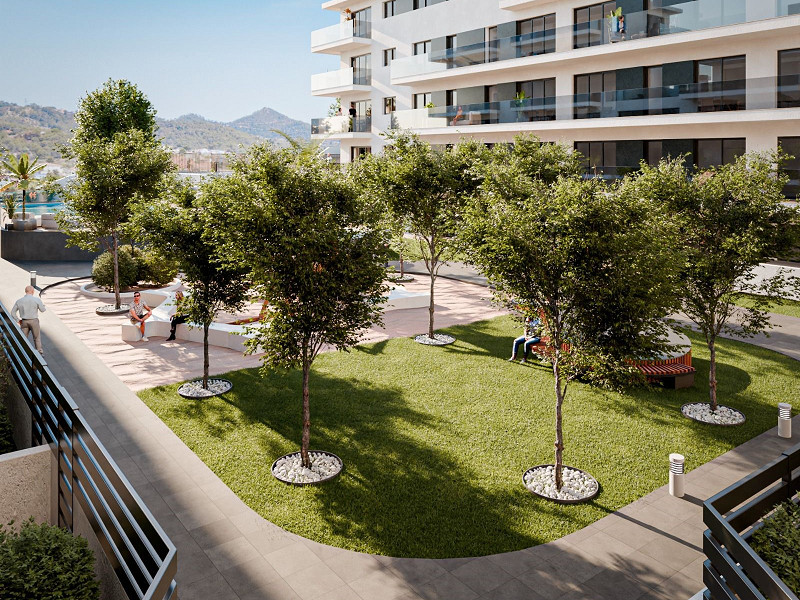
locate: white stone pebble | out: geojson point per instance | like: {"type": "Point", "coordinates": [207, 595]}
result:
{"type": "Point", "coordinates": [194, 389]}
{"type": "Point", "coordinates": [702, 412]}
{"type": "Point", "coordinates": [290, 468]}
{"type": "Point", "coordinates": [438, 339]}
{"type": "Point", "coordinates": [577, 485]}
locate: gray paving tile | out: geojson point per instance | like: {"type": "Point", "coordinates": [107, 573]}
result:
{"type": "Point", "coordinates": [213, 586]}
{"type": "Point", "coordinates": [673, 554]}
{"type": "Point", "coordinates": [630, 532]}
{"type": "Point", "coordinates": [231, 553]}
{"type": "Point", "coordinates": [545, 580]}
{"type": "Point", "coordinates": [214, 534]}
{"type": "Point", "coordinates": [350, 566]}
{"type": "Point", "coordinates": [342, 593]}
{"type": "Point", "coordinates": [513, 589]}
{"type": "Point", "coordinates": [481, 575]}
{"type": "Point", "coordinates": [292, 558]}
{"type": "Point", "coordinates": [255, 575]}
{"type": "Point", "coordinates": [277, 590]}
{"type": "Point", "coordinates": [515, 563]}
{"type": "Point", "coordinates": [314, 581]}
{"type": "Point", "coordinates": [614, 584]}
{"type": "Point", "coordinates": [646, 570]}
{"type": "Point", "coordinates": [380, 584]}
{"type": "Point", "coordinates": [193, 564]}
{"type": "Point", "coordinates": [446, 587]}
{"type": "Point", "coordinates": [415, 571]}
{"type": "Point", "coordinates": [604, 549]}
{"type": "Point", "coordinates": [678, 507]}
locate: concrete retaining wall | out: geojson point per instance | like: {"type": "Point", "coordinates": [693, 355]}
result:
{"type": "Point", "coordinates": [19, 414]}
{"type": "Point", "coordinates": [40, 245]}
{"type": "Point", "coordinates": [26, 480]}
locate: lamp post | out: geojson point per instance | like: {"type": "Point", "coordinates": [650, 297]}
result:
{"type": "Point", "coordinates": [784, 420]}
{"type": "Point", "coordinates": [676, 474]}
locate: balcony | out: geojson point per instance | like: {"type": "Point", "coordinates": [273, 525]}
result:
{"type": "Point", "coordinates": [695, 15]}
{"type": "Point", "coordinates": [335, 83]}
{"type": "Point", "coordinates": [342, 127]}
{"type": "Point", "coordinates": [345, 36]}
{"type": "Point", "coordinates": [752, 94]}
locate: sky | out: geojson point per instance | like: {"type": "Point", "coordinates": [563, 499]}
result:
{"type": "Point", "coordinates": [221, 60]}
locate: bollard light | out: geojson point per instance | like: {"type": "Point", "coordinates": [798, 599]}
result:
{"type": "Point", "coordinates": [676, 474]}
{"type": "Point", "coordinates": [784, 420]}
{"type": "Point", "coordinates": [33, 278]}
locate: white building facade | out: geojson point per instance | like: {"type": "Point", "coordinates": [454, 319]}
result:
{"type": "Point", "coordinates": [620, 81]}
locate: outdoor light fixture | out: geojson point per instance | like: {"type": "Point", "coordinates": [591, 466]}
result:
{"type": "Point", "coordinates": [676, 474]}
{"type": "Point", "coordinates": [33, 278]}
{"type": "Point", "coordinates": [784, 420]}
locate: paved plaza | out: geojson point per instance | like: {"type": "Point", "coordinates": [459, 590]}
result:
{"type": "Point", "coordinates": [649, 549]}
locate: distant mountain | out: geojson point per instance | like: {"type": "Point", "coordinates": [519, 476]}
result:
{"type": "Point", "coordinates": [40, 130]}
{"type": "Point", "coordinates": [266, 121]}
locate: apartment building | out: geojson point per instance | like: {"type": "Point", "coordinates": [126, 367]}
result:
{"type": "Point", "coordinates": [621, 81]}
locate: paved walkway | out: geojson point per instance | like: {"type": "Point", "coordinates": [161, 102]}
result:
{"type": "Point", "coordinates": [647, 550]}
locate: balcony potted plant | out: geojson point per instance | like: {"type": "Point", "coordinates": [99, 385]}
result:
{"type": "Point", "coordinates": [616, 25]}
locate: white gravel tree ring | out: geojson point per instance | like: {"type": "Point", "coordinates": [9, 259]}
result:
{"type": "Point", "coordinates": [194, 389]}
{"type": "Point", "coordinates": [324, 466]}
{"type": "Point", "coordinates": [578, 486]}
{"type": "Point", "coordinates": [110, 310]}
{"type": "Point", "coordinates": [438, 339]}
{"type": "Point", "coordinates": [702, 413]}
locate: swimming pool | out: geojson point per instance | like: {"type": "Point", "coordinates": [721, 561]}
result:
{"type": "Point", "coordinates": [38, 208]}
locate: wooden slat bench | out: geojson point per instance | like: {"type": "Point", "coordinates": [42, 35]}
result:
{"type": "Point", "coordinates": [672, 375]}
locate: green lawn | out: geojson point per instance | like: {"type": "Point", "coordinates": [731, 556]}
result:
{"type": "Point", "coordinates": [435, 440]}
{"type": "Point", "coordinates": [790, 308]}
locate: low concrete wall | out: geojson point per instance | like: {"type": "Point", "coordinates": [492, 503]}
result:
{"type": "Point", "coordinates": [40, 245]}
{"type": "Point", "coordinates": [26, 485]}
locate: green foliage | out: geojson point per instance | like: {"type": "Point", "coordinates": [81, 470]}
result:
{"type": "Point", "coordinates": [417, 447]}
{"type": "Point", "coordinates": [6, 431]}
{"type": "Point", "coordinates": [42, 562]}
{"type": "Point", "coordinates": [778, 543]}
{"type": "Point", "coordinates": [10, 204]}
{"type": "Point", "coordinates": [175, 227]}
{"type": "Point", "coordinates": [335, 107]}
{"type": "Point", "coordinates": [20, 171]}
{"type": "Point", "coordinates": [731, 219]}
{"type": "Point", "coordinates": [155, 268]}
{"type": "Point", "coordinates": [103, 270]}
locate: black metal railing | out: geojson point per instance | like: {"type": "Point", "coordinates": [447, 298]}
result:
{"type": "Point", "coordinates": [143, 557]}
{"type": "Point", "coordinates": [733, 570]}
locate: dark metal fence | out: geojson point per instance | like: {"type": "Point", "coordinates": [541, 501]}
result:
{"type": "Point", "coordinates": [733, 570]}
{"type": "Point", "coordinates": [143, 557]}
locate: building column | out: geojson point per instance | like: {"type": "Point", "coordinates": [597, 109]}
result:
{"type": "Point", "coordinates": [564, 23]}
{"type": "Point", "coordinates": [761, 141]}
{"type": "Point", "coordinates": [565, 90]}
{"type": "Point", "coordinates": [762, 79]}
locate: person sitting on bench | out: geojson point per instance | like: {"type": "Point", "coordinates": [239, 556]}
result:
{"type": "Point", "coordinates": [528, 339]}
{"type": "Point", "coordinates": [176, 319]}
{"type": "Point", "coordinates": [139, 313]}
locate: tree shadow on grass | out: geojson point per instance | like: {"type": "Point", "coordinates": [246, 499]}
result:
{"type": "Point", "coordinates": [401, 493]}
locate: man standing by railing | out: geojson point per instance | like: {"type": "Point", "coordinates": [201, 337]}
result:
{"type": "Point", "coordinates": [27, 309]}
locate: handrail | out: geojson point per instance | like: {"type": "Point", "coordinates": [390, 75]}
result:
{"type": "Point", "coordinates": [142, 556]}
{"type": "Point", "coordinates": [733, 569]}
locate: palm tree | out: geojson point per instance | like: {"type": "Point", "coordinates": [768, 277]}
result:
{"type": "Point", "coordinates": [21, 170]}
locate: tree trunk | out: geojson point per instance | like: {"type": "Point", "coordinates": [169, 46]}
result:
{"type": "Point", "coordinates": [712, 374]}
{"type": "Point", "coordinates": [306, 413]}
{"type": "Point", "coordinates": [402, 265]}
{"type": "Point", "coordinates": [115, 255]}
{"type": "Point", "coordinates": [559, 433]}
{"type": "Point", "coordinates": [23, 207]}
{"type": "Point", "coordinates": [205, 355]}
{"type": "Point", "coordinates": [430, 306]}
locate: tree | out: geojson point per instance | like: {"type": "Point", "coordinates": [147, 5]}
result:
{"type": "Point", "coordinates": [425, 189]}
{"type": "Point", "coordinates": [732, 219]}
{"type": "Point", "coordinates": [311, 248]}
{"type": "Point", "coordinates": [174, 226]}
{"type": "Point", "coordinates": [118, 160]}
{"type": "Point", "coordinates": [21, 171]}
{"type": "Point", "coordinates": [592, 265]}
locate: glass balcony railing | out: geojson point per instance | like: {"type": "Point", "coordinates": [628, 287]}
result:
{"type": "Point", "coordinates": [340, 32]}
{"type": "Point", "coordinates": [341, 124]}
{"type": "Point", "coordinates": [756, 93]}
{"type": "Point", "coordinates": [676, 18]}
{"type": "Point", "coordinates": [340, 79]}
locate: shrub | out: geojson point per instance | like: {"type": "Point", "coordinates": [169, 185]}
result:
{"type": "Point", "coordinates": [778, 543]}
{"type": "Point", "coordinates": [6, 431]}
{"type": "Point", "coordinates": [42, 562]}
{"type": "Point", "coordinates": [103, 270]}
{"type": "Point", "coordinates": [155, 268]}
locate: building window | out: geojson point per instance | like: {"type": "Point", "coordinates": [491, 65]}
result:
{"type": "Point", "coordinates": [536, 100]}
{"type": "Point", "coordinates": [422, 47]}
{"type": "Point", "coordinates": [590, 25]}
{"type": "Point", "coordinates": [595, 95]}
{"type": "Point", "coordinates": [598, 157]}
{"type": "Point", "coordinates": [423, 100]}
{"type": "Point", "coordinates": [389, 105]}
{"type": "Point", "coordinates": [492, 50]}
{"type": "Point", "coordinates": [791, 145]}
{"type": "Point", "coordinates": [362, 23]}
{"type": "Point", "coordinates": [388, 9]}
{"type": "Point", "coordinates": [655, 152]}
{"type": "Point", "coordinates": [711, 153]}
{"type": "Point", "coordinates": [721, 83]}
{"type": "Point", "coordinates": [421, 4]}
{"type": "Point", "coordinates": [789, 78]}
{"type": "Point", "coordinates": [357, 152]}
{"type": "Point", "coordinates": [451, 97]}
{"type": "Point", "coordinates": [536, 36]}
{"type": "Point", "coordinates": [388, 56]}
{"type": "Point", "coordinates": [362, 69]}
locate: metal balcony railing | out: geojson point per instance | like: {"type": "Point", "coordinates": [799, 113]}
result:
{"type": "Point", "coordinates": [143, 557]}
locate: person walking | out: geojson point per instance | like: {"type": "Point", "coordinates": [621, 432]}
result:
{"type": "Point", "coordinates": [27, 310]}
